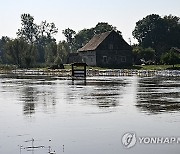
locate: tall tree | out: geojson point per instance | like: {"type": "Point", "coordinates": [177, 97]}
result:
{"type": "Point", "coordinates": [29, 29]}
{"type": "Point", "coordinates": [170, 58]}
{"type": "Point", "coordinates": [82, 37]}
{"type": "Point", "coordinates": [39, 35]}
{"type": "Point", "coordinates": [102, 27]}
{"type": "Point", "coordinates": [62, 52]}
{"type": "Point", "coordinates": [20, 53]}
{"type": "Point", "coordinates": [148, 31]}
{"type": "Point", "coordinates": [50, 53]}
{"type": "Point", "coordinates": [158, 33]}
{"type": "Point", "coordinates": [77, 40]}
{"type": "Point", "coordinates": [46, 32]}
{"type": "Point", "coordinates": [69, 34]}
{"type": "Point", "coordinates": [172, 24]}
{"type": "Point", "coordinates": [3, 41]}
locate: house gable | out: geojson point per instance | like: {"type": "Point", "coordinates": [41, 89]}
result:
{"type": "Point", "coordinates": [107, 50]}
{"type": "Point", "coordinates": [114, 41]}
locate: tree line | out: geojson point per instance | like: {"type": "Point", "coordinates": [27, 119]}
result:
{"type": "Point", "coordinates": [36, 46]}
{"type": "Point", "coordinates": [158, 37]}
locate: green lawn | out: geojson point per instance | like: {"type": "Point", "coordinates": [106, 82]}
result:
{"type": "Point", "coordinates": [160, 67]}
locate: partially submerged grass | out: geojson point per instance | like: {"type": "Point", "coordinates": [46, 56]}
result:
{"type": "Point", "coordinates": [144, 67]}
{"type": "Point", "coordinates": [137, 67]}
{"type": "Point", "coordinates": [160, 67]}
{"type": "Point", "coordinates": [7, 67]}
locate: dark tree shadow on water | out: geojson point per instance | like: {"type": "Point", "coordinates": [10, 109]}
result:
{"type": "Point", "coordinates": [158, 94]}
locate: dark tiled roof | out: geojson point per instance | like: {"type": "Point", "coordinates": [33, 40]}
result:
{"type": "Point", "coordinates": [95, 42]}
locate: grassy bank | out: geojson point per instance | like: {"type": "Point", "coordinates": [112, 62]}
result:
{"type": "Point", "coordinates": [7, 67]}
{"type": "Point", "coordinates": [138, 67]}
{"type": "Point", "coordinates": [158, 67]}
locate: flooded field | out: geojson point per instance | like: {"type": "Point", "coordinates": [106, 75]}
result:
{"type": "Point", "coordinates": [88, 116]}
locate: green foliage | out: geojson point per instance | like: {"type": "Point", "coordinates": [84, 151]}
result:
{"type": "Point", "coordinates": [50, 53]}
{"type": "Point", "coordinates": [78, 40]}
{"type": "Point", "coordinates": [158, 33]}
{"type": "Point", "coordinates": [30, 56]}
{"type": "Point", "coordinates": [69, 34]}
{"type": "Point", "coordinates": [35, 43]}
{"type": "Point", "coordinates": [6, 67]}
{"type": "Point", "coordinates": [3, 41]}
{"type": "Point", "coordinates": [145, 54]}
{"type": "Point", "coordinates": [58, 60]}
{"type": "Point", "coordinates": [102, 27]}
{"type": "Point", "coordinates": [40, 35]}
{"type": "Point", "coordinates": [47, 30]}
{"type": "Point", "coordinates": [170, 58]}
{"type": "Point", "coordinates": [63, 50]}
{"type": "Point", "coordinates": [33, 33]}
{"type": "Point", "coordinates": [157, 67]}
{"type": "Point", "coordinates": [148, 54]}
{"type": "Point", "coordinates": [29, 29]}
{"type": "Point", "coordinates": [82, 37]}
{"type": "Point", "coordinates": [19, 52]}
{"type": "Point", "coordinates": [147, 30]}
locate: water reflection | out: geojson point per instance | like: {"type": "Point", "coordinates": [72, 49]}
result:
{"type": "Point", "coordinates": [38, 94]}
{"type": "Point", "coordinates": [28, 97]}
{"type": "Point", "coordinates": [102, 92]}
{"type": "Point", "coordinates": [81, 116]}
{"type": "Point", "coordinates": [32, 93]}
{"type": "Point", "coordinates": [159, 94]}
{"type": "Point", "coordinates": [153, 95]}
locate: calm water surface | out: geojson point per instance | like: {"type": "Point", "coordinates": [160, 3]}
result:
{"type": "Point", "coordinates": [88, 117]}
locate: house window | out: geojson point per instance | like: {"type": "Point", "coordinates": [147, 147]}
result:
{"type": "Point", "coordinates": [123, 59]}
{"type": "Point", "coordinates": [111, 46]}
{"type": "Point", "coordinates": [105, 59]}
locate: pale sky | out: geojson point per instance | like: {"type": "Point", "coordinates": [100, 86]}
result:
{"type": "Point", "coordinates": [79, 14]}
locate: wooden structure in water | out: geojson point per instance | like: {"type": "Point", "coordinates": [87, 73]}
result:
{"type": "Point", "coordinates": [79, 70]}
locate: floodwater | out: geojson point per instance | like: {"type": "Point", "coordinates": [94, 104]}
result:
{"type": "Point", "coordinates": [88, 116]}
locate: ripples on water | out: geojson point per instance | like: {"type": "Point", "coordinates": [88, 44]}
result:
{"type": "Point", "coordinates": [88, 116]}
{"type": "Point", "coordinates": [159, 94]}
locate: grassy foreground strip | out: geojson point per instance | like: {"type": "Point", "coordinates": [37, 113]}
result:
{"type": "Point", "coordinates": [137, 67]}
{"type": "Point", "coordinates": [160, 67]}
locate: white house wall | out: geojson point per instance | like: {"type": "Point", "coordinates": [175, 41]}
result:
{"type": "Point", "coordinates": [89, 57]}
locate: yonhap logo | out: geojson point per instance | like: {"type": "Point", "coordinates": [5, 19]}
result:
{"type": "Point", "coordinates": [129, 140]}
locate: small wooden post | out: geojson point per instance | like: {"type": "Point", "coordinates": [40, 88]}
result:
{"type": "Point", "coordinates": [85, 70]}
{"type": "Point", "coordinates": [79, 72]}
{"type": "Point", "coordinates": [72, 70]}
